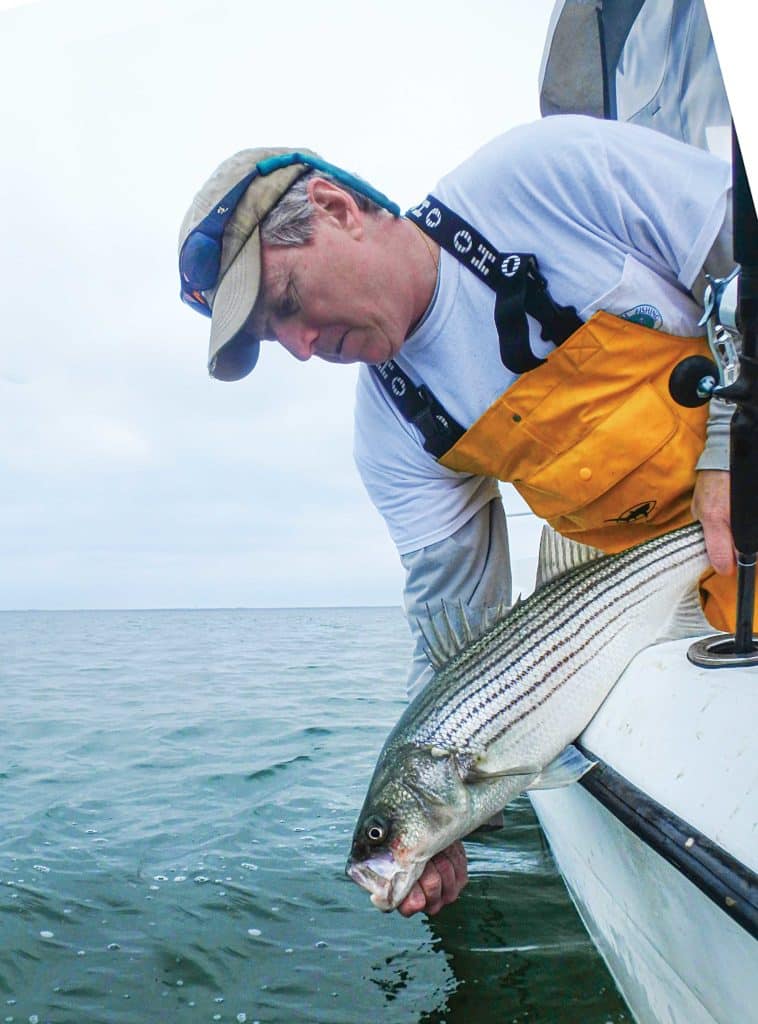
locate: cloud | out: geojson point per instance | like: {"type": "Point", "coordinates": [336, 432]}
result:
{"type": "Point", "coordinates": [130, 478]}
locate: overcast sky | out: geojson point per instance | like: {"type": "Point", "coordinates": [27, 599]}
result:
{"type": "Point", "coordinates": [129, 478]}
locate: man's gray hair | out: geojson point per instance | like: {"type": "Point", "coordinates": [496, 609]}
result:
{"type": "Point", "coordinates": [291, 220]}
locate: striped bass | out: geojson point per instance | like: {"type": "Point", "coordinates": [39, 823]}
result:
{"type": "Point", "coordinates": [500, 716]}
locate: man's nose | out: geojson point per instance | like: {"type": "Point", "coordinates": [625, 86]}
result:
{"type": "Point", "coordinates": [298, 339]}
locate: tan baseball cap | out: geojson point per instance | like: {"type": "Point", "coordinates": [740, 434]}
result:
{"type": "Point", "coordinates": [233, 350]}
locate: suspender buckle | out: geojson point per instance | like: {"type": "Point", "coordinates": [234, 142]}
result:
{"type": "Point", "coordinates": [430, 421]}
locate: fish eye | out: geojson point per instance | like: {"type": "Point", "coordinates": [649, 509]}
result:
{"type": "Point", "coordinates": [375, 830]}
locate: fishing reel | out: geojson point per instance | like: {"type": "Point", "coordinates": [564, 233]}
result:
{"type": "Point", "coordinates": [697, 380]}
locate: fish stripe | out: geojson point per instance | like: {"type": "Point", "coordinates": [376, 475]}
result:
{"type": "Point", "coordinates": [551, 601]}
{"type": "Point", "coordinates": [464, 723]}
{"type": "Point", "coordinates": [514, 697]}
{"type": "Point", "coordinates": [593, 597]}
{"type": "Point", "coordinates": [577, 609]}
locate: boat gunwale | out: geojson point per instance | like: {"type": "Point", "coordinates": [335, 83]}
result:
{"type": "Point", "coordinates": [729, 883]}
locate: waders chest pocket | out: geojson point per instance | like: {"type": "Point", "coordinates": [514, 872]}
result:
{"type": "Point", "coordinates": [624, 459]}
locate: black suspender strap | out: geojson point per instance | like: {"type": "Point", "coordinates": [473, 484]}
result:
{"type": "Point", "coordinates": [419, 406]}
{"type": "Point", "coordinates": [514, 277]}
{"type": "Point", "coordinates": [519, 289]}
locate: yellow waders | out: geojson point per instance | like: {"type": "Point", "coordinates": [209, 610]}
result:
{"type": "Point", "coordinates": [595, 444]}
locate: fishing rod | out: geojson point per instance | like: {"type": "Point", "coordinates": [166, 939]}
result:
{"type": "Point", "coordinates": [732, 313]}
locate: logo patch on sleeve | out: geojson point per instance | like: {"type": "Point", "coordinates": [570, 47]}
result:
{"type": "Point", "coordinates": [645, 315]}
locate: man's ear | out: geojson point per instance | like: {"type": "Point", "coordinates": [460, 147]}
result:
{"type": "Point", "coordinates": [335, 204]}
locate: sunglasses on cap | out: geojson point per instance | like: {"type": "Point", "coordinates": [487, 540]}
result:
{"type": "Point", "coordinates": [200, 257]}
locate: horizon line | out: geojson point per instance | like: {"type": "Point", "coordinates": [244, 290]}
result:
{"type": "Point", "coordinates": [205, 608]}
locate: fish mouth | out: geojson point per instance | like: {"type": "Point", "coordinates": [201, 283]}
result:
{"type": "Point", "coordinates": [384, 879]}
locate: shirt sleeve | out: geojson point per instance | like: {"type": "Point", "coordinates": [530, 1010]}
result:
{"type": "Point", "coordinates": [718, 263]}
{"type": "Point", "coordinates": [469, 572]}
{"type": "Point", "coordinates": [421, 501]}
{"type": "Point", "coordinates": [671, 199]}
{"type": "Point", "coordinates": [715, 454]}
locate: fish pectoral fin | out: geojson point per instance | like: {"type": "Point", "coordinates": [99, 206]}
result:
{"type": "Point", "coordinates": [478, 773]}
{"type": "Point", "coordinates": [569, 766]}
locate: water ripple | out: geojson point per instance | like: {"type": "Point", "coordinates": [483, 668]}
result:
{"type": "Point", "coordinates": [179, 793]}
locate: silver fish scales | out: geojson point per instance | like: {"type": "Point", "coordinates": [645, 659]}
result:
{"type": "Point", "coordinates": [501, 710]}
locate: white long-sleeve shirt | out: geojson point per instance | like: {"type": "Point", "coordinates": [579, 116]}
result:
{"type": "Point", "coordinates": [621, 219]}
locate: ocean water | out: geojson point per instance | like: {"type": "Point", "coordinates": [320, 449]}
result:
{"type": "Point", "coordinates": [179, 789]}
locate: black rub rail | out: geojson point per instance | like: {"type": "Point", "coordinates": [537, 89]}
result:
{"type": "Point", "coordinates": [726, 881]}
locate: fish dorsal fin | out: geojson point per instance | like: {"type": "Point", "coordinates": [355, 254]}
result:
{"type": "Point", "coordinates": [450, 630]}
{"type": "Point", "coordinates": [687, 619]}
{"type": "Point", "coordinates": [558, 554]}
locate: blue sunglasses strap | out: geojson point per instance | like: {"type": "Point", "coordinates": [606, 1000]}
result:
{"type": "Point", "coordinates": [215, 222]}
{"type": "Point", "coordinates": [275, 163]}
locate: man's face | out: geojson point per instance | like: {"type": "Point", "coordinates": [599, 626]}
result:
{"type": "Point", "coordinates": [334, 297]}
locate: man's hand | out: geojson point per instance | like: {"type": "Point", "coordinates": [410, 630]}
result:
{"type": "Point", "coordinates": [443, 878]}
{"type": "Point", "coordinates": [710, 505]}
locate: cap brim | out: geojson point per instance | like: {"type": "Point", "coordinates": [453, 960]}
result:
{"type": "Point", "coordinates": [233, 352]}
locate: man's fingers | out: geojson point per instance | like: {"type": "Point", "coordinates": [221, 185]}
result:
{"type": "Point", "coordinates": [413, 902]}
{"type": "Point", "coordinates": [432, 879]}
{"type": "Point", "coordinates": [718, 543]}
{"type": "Point", "coordinates": [437, 875]}
{"type": "Point", "coordinates": [456, 854]}
{"type": "Point", "coordinates": [710, 504]}
{"type": "Point", "coordinates": [440, 883]}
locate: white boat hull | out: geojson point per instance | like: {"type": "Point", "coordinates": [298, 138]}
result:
{"type": "Point", "coordinates": [685, 737]}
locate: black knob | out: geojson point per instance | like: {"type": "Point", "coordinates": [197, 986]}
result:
{"type": "Point", "coordinates": [692, 381]}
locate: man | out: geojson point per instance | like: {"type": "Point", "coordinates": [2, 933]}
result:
{"type": "Point", "coordinates": [624, 223]}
